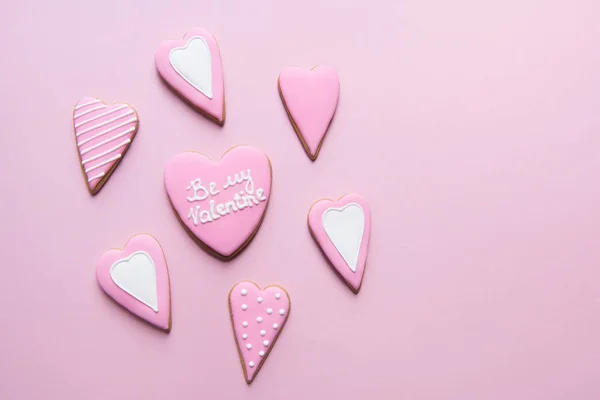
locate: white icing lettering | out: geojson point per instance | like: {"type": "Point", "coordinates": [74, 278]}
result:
{"type": "Point", "coordinates": [243, 176]}
{"type": "Point", "coordinates": [205, 217]}
{"type": "Point", "coordinates": [213, 188]}
{"type": "Point", "coordinates": [214, 210]}
{"type": "Point", "coordinates": [238, 200]}
{"type": "Point", "coordinates": [194, 214]}
{"type": "Point", "coordinates": [196, 186]}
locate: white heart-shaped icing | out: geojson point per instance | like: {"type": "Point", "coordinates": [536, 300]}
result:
{"type": "Point", "coordinates": [345, 227]}
{"type": "Point", "coordinates": [193, 63]}
{"type": "Point", "coordinates": [136, 275]}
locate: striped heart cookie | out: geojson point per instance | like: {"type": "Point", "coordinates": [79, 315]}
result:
{"type": "Point", "coordinates": [103, 134]}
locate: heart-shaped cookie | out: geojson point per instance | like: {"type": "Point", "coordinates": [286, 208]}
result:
{"type": "Point", "coordinates": [310, 99]}
{"type": "Point", "coordinates": [221, 203]}
{"type": "Point", "coordinates": [137, 278]}
{"type": "Point", "coordinates": [258, 317]}
{"type": "Point", "coordinates": [342, 229]}
{"type": "Point", "coordinates": [103, 133]}
{"type": "Point", "coordinates": [193, 68]}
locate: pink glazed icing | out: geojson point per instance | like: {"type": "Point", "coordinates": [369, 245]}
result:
{"type": "Point", "coordinates": [258, 317]}
{"type": "Point", "coordinates": [193, 68]}
{"type": "Point", "coordinates": [222, 203]}
{"type": "Point", "coordinates": [342, 229]}
{"type": "Point", "coordinates": [137, 278]}
{"type": "Point", "coordinates": [310, 98]}
{"type": "Point", "coordinates": [103, 133]}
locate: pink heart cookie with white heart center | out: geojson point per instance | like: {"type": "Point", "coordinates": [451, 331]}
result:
{"type": "Point", "coordinates": [137, 278]}
{"type": "Point", "coordinates": [193, 68]}
{"type": "Point", "coordinates": [310, 99]}
{"type": "Point", "coordinates": [221, 203]}
{"type": "Point", "coordinates": [342, 229]}
{"type": "Point", "coordinates": [258, 317]}
{"type": "Point", "coordinates": [103, 134]}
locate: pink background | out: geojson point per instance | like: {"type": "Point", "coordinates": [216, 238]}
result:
{"type": "Point", "coordinates": [473, 127]}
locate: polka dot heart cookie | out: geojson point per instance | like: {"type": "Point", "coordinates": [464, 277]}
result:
{"type": "Point", "coordinates": [258, 317]}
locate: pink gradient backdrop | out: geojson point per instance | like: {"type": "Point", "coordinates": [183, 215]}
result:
{"type": "Point", "coordinates": [473, 127]}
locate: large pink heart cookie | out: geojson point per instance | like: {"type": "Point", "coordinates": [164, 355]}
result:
{"type": "Point", "coordinates": [193, 68]}
{"type": "Point", "coordinates": [342, 229]}
{"type": "Point", "coordinates": [137, 278]}
{"type": "Point", "coordinates": [258, 317]}
{"type": "Point", "coordinates": [310, 99]}
{"type": "Point", "coordinates": [103, 134]}
{"type": "Point", "coordinates": [221, 203]}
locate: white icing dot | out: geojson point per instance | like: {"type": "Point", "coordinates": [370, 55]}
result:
{"type": "Point", "coordinates": [244, 336]}
{"type": "Point", "coordinates": [259, 299]}
{"type": "Point", "coordinates": [263, 333]}
{"type": "Point", "coordinates": [244, 292]}
{"type": "Point", "coordinates": [266, 343]}
{"type": "Point", "coordinates": [275, 326]}
{"type": "Point", "coordinates": [251, 364]}
{"type": "Point", "coordinates": [244, 307]}
{"type": "Point", "coordinates": [245, 324]}
{"type": "Point", "coordinates": [261, 353]}
{"type": "Point", "coordinates": [281, 312]}
{"type": "Point", "coordinates": [277, 296]}
{"type": "Point", "coordinates": [269, 311]}
{"type": "Point", "coordinates": [248, 346]}
{"type": "Point", "coordinates": [259, 319]}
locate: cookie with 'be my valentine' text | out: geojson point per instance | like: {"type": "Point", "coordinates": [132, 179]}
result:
{"type": "Point", "coordinates": [137, 278]}
{"type": "Point", "coordinates": [342, 229]}
{"type": "Point", "coordinates": [193, 68]}
{"type": "Point", "coordinates": [258, 317]}
{"type": "Point", "coordinates": [220, 203]}
{"type": "Point", "coordinates": [103, 133]}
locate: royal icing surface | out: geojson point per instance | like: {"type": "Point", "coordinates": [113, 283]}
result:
{"type": "Point", "coordinates": [310, 98]}
{"type": "Point", "coordinates": [103, 134]}
{"type": "Point", "coordinates": [221, 203]}
{"type": "Point", "coordinates": [193, 68]}
{"type": "Point", "coordinates": [137, 278]}
{"type": "Point", "coordinates": [342, 229]}
{"type": "Point", "coordinates": [256, 330]}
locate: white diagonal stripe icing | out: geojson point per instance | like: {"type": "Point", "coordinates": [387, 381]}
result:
{"type": "Point", "coordinates": [136, 275]}
{"type": "Point", "coordinates": [79, 106]}
{"type": "Point", "coordinates": [95, 117]}
{"type": "Point", "coordinates": [103, 134]}
{"type": "Point", "coordinates": [345, 227]}
{"type": "Point", "coordinates": [123, 143]}
{"type": "Point", "coordinates": [193, 63]}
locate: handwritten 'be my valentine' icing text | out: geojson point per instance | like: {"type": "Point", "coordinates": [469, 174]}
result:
{"type": "Point", "coordinates": [246, 198]}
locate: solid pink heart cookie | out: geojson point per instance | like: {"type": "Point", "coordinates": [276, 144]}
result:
{"type": "Point", "coordinates": [258, 317]}
{"type": "Point", "coordinates": [342, 229]}
{"type": "Point", "coordinates": [221, 203]}
{"type": "Point", "coordinates": [137, 278]}
{"type": "Point", "coordinates": [310, 99]}
{"type": "Point", "coordinates": [193, 68]}
{"type": "Point", "coordinates": [103, 134]}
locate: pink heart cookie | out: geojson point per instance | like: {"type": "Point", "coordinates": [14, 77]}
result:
{"type": "Point", "coordinates": [310, 99]}
{"type": "Point", "coordinates": [137, 278]}
{"type": "Point", "coordinates": [193, 68]}
{"type": "Point", "coordinates": [103, 134]}
{"type": "Point", "coordinates": [221, 203]}
{"type": "Point", "coordinates": [258, 317]}
{"type": "Point", "coordinates": [342, 229]}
